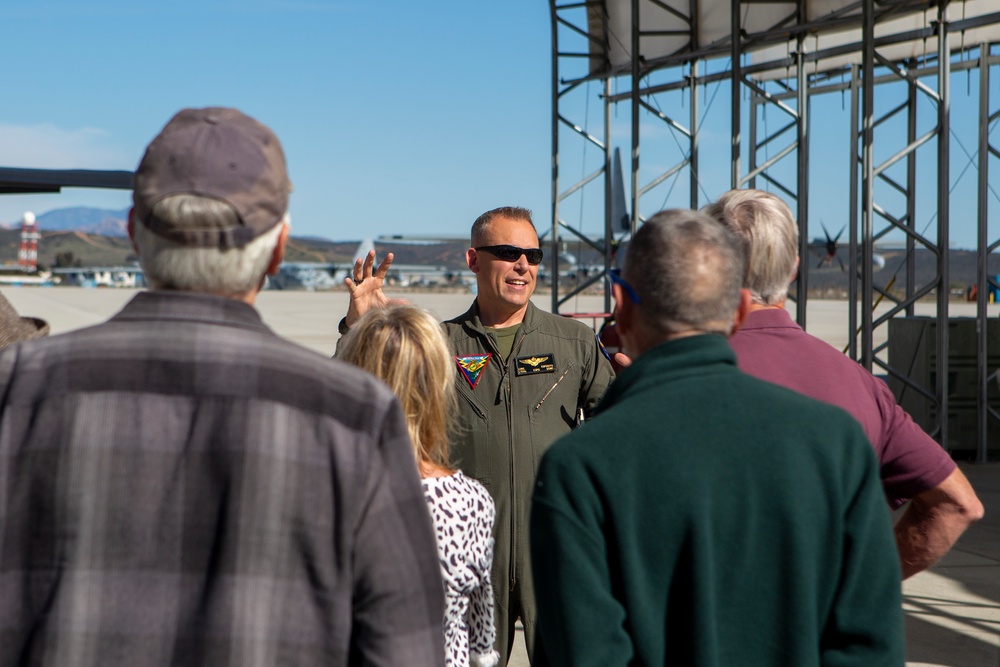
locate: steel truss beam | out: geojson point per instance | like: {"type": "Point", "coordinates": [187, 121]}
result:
{"type": "Point", "coordinates": [985, 375]}
{"type": "Point", "coordinates": [653, 90]}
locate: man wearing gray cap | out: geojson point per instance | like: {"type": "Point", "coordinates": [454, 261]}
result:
{"type": "Point", "coordinates": [179, 485]}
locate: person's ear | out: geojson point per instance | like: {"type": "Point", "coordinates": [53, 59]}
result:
{"type": "Point", "coordinates": [623, 308]}
{"type": "Point", "coordinates": [742, 310]}
{"type": "Point", "coordinates": [472, 259]}
{"type": "Point", "coordinates": [795, 271]}
{"type": "Point", "coordinates": [278, 255]}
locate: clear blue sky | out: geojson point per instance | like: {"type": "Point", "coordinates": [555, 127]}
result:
{"type": "Point", "coordinates": [396, 117]}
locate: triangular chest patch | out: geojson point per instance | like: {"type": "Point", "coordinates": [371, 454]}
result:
{"type": "Point", "coordinates": [472, 366]}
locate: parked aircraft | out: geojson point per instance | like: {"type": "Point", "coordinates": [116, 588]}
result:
{"type": "Point", "coordinates": [826, 249]}
{"type": "Point", "coordinates": [19, 278]}
{"type": "Point", "coordinates": [101, 276]}
{"type": "Point", "coordinates": [327, 275]}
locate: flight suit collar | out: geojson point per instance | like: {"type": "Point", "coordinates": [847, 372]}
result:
{"type": "Point", "coordinates": [474, 325]}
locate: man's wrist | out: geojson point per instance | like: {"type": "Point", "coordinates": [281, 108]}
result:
{"type": "Point", "coordinates": [342, 326]}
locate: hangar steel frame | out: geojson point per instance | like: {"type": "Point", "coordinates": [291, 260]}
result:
{"type": "Point", "coordinates": [899, 53]}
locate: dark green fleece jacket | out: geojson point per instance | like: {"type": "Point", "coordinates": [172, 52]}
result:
{"type": "Point", "coordinates": [707, 518]}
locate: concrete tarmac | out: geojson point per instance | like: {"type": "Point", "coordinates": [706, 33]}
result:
{"type": "Point", "coordinates": [952, 610]}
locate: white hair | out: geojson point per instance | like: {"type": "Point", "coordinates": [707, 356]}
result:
{"type": "Point", "coordinates": [770, 237]}
{"type": "Point", "coordinates": [230, 272]}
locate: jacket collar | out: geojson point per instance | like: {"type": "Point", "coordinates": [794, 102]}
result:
{"type": "Point", "coordinates": [191, 307]}
{"type": "Point", "coordinates": [693, 355]}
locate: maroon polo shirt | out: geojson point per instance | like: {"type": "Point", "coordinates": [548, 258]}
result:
{"type": "Point", "coordinates": [770, 346]}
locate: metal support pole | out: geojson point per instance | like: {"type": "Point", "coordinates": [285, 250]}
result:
{"type": "Point", "coordinates": [554, 260]}
{"type": "Point", "coordinates": [852, 285]}
{"type": "Point", "coordinates": [693, 168]}
{"type": "Point", "coordinates": [736, 71]}
{"type": "Point", "coordinates": [752, 140]}
{"type": "Point", "coordinates": [609, 222]}
{"type": "Point", "coordinates": [867, 178]}
{"type": "Point", "coordinates": [636, 79]}
{"type": "Point", "coordinates": [802, 187]}
{"type": "Point", "coordinates": [944, 181]}
{"type": "Point", "coordinates": [911, 192]}
{"type": "Point", "coordinates": [982, 256]}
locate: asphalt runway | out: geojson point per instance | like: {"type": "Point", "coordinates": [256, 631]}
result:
{"type": "Point", "coordinates": [310, 318]}
{"type": "Point", "coordinates": [952, 610]}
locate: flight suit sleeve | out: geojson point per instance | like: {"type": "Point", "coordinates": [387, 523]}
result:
{"type": "Point", "coordinates": [597, 377]}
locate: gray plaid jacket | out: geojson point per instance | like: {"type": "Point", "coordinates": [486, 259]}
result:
{"type": "Point", "coordinates": [180, 486]}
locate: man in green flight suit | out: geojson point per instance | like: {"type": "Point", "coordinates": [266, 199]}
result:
{"type": "Point", "coordinates": [524, 378]}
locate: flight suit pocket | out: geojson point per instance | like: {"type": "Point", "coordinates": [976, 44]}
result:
{"type": "Point", "coordinates": [552, 411]}
{"type": "Point", "coordinates": [470, 449]}
{"type": "Point", "coordinates": [558, 392]}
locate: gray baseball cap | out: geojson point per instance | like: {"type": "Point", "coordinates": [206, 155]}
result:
{"type": "Point", "coordinates": [218, 153]}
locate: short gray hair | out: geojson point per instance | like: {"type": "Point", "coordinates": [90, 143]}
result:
{"type": "Point", "coordinates": [687, 270]}
{"type": "Point", "coordinates": [230, 272]}
{"type": "Point", "coordinates": [508, 212]}
{"type": "Point", "coordinates": [770, 237]}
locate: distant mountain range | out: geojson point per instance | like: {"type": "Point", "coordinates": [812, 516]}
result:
{"type": "Point", "coordinates": [101, 221]}
{"type": "Point", "coordinates": [95, 236]}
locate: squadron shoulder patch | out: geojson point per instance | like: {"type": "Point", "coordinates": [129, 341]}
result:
{"type": "Point", "coordinates": [538, 363]}
{"type": "Point", "coordinates": [472, 366]}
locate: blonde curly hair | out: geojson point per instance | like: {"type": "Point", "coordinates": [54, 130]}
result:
{"type": "Point", "coordinates": [403, 346]}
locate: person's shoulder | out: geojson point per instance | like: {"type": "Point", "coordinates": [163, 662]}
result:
{"type": "Point", "coordinates": [560, 325]}
{"type": "Point", "coordinates": [799, 418]}
{"type": "Point", "coordinates": [475, 489]}
{"type": "Point", "coordinates": [455, 326]}
{"type": "Point", "coordinates": [790, 401]}
{"type": "Point", "coordinates": [87, 341]}
{"type": "Point", "coordinates": [462, 317]}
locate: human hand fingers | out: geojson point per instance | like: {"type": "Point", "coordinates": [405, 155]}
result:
{"type": "Point", "coordinates": [383, 268]}
{"type": "Point", "coordinates": [368, 264]}
{"type": "Point", "coordinates": [623, 359]}
{"type": "Point", "coordinates": [358, 271]}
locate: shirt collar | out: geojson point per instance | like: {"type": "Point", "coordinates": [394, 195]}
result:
{"type": "Point", "coordinates": [191, 307]}
{"type": "Point", "coordinates": [768, 318]}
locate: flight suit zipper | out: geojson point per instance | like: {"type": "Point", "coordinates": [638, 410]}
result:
{"type": "Point", "coordinates": [513, 454]}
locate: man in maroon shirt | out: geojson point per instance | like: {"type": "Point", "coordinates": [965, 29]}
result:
{"type": "Point", "coordinates": [770, 346]}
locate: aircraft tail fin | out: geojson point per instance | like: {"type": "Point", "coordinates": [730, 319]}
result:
{"type": "Point", "coordinates": [619, 208]}
{"type": "Point", "coordinates": [366, 246]}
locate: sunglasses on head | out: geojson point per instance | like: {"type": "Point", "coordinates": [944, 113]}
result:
{"type": "Point", "coordinates": [615, 275]}
{"type": "Point", "coordinates": [511, 253]}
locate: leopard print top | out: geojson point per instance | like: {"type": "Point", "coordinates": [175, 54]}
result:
{"type": "Point", "coordinates": [463, 516]}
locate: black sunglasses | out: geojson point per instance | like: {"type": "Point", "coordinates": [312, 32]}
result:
{"type": "Point", "coordinates": [511, 253]}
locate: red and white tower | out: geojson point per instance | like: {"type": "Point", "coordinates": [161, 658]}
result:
{"type": "Point", "coordinates": [27, 254]}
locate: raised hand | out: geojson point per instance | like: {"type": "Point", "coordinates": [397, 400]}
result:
{"type": "Point", "coordinates": [366, 286]}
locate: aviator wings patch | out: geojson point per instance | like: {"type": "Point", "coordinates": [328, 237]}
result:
{"type": "Point", "coordinates": [539, 363]}
{"type": "Point", "coordinates": [472, 367]}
